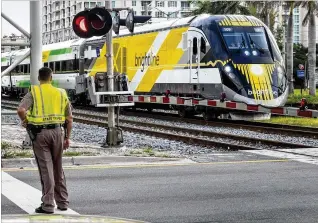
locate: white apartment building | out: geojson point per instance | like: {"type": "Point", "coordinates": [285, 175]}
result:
{"type": "Point", "coordinates": [300, 31]}
{"type": "Point", "coordinates": [58, 15]}
{"type": "Point", "coordinates": [13, 39]}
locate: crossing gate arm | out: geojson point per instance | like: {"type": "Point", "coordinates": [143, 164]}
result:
{"type": "Point", "coordinates": [284, 111]}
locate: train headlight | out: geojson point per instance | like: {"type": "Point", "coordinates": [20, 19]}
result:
{"type": "Point", "coordinates": [257, 69]}
{"type": "Point", "coordinates": [227, 69]}
{"type": "Point", "coordinates": [247, 53]}
{"type": "Point", "coordinates": [254, 52]}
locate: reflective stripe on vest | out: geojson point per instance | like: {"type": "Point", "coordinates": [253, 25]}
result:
{"type": "Point", "coordinates": [49, 105]}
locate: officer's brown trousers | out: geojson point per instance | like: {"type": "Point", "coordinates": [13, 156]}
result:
{"type": "Point", "coordinates": [48, 150]}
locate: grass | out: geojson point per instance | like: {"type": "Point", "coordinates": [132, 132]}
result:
{"type": "Point", "coordinates": [10, 151]}
{"type": "Point", "coordinates": [297, 96]}
{"type": "Point", "coordinates": [147, 152]}
{"type": "Point", "coordinates": [297, 121]}
{"type": "Point", "coordinates": [69, 153]}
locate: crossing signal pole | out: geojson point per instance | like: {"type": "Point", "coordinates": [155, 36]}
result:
{"type": "Point", "coordinates": [98, 22]}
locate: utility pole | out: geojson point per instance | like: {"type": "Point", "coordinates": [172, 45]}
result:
{"type": "Point", "coordinates": [36, 40]}
{"type": "Point", "coordinates": [111, 130]}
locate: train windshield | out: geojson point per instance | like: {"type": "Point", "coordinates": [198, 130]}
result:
{"type": "Point", "coordinates": [247, 43]}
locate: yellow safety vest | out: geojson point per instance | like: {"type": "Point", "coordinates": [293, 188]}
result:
{"type": "Point", "coordinates": [49, 105]}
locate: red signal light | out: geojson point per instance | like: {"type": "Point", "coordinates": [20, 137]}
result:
{"type": "Point", "coordinates": [94, 22]}
{"type": "Point", "coordinates": [97, 22]}
{"type": "Point", "coordinates": [81, 22]}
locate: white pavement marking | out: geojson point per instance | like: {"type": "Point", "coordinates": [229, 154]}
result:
{"type": "Point", "coordinates": [281, 154]}
{"type": "Point", "coordinates": [25, 196]}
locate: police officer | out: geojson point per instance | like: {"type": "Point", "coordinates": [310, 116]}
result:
{"type": "Point", "coordinates": [43, 112]}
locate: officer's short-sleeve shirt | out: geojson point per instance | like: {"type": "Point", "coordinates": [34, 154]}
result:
{"type": "Point", "coordinates": [27, 103]}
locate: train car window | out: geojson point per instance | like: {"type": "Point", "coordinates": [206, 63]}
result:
{"type": "Point", "coordinates": [57, 66]}
{"type": "Point", "coordinates": [3, 68]}
{"type": "Point", "coordinates": [69, 65]}
{"type": "Point", "coordinates": [195, 46]}
{"type": "Point", "coordinates": [51, 66]}
{"type": "Point", "coordinates": [46, 64]}
{"type": "Point", "coordinates": [63, 68]}
{"type": "Point", "coordinates": [203, 45]}
{"type": "Point", "coordinates": [29, 69]}
{"type": "Point", "coordinates": [25, 68]}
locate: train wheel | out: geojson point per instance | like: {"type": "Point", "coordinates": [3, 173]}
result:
{"type": "Point", "coordinates": [184, 113]}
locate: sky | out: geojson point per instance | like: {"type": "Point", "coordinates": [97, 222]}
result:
{"type": "Point", "coordinates": [19, 12]}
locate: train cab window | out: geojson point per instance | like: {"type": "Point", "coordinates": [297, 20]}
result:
{"type": "Point", "coordinates": [57, 66]}
{"type": "Point", "coordinates": [203, 45]}
{"type": "Point", "coordinates": [195, 46]}
{"type": "Point", "coordinates": [63, 67]}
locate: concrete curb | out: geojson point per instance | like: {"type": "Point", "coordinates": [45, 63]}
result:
{"type": "Point", "coordinates": [95, 160]}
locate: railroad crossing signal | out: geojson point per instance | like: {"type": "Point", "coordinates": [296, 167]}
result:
{"type": "Point", "coordinates": [129, 22]}
{"type": "Point", "coordinates": [98, 22]}
{"type": "Point", "coordinates": [93, 22]}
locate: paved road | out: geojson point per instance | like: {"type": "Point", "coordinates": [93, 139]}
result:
{"type": "Point", "coordinates": [261, 191]}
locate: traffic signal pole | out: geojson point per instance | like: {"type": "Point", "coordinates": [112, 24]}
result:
{"type": "Point", "coordinates": [99, 22]}
{"type": "Point", "coordinates": [36, 40]}
{"type": "Point", "coordinates": [111, 130]}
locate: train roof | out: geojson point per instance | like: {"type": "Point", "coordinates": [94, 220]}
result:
{"type": "Point", "coordinates": [227, 20]}
{"type": "Point", "coordinates": [197, 20]}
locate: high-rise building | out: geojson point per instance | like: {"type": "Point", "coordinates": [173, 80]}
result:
{"type": "Point", "coordinates": [58, 15]}
{"type": "Point", "coordinates": [300, 31]}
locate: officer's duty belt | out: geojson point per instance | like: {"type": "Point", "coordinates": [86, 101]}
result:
{"type": "Point", "coordinates": [49, 126]}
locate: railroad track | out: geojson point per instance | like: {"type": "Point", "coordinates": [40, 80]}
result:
{"type": "Point", "coordinates": [190, 136]}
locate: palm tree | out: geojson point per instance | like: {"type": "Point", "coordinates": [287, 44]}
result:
{"type": "Point", "coordinates": [289, 47]}
{"type": "Point", "coordinates": [220, 7]}
{"type": "Point", "coordinates": [309, 20]}
{"type": "Point", "coordinates": [290, 44]}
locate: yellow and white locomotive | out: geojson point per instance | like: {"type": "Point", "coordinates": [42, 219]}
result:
{"type": "Point", "coordinates": [207, 57]}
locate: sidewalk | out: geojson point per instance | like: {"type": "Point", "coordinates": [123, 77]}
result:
{"type": "Point", "coordinates": [96, 160]}
{"type": "Point", "coordinates": [64, 218]}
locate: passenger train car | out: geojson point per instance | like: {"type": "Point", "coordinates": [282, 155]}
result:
{"type": "Point", "coordinates": [205, 56]}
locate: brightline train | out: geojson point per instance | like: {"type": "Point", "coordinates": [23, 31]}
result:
{"type": "Point", "coordinates": [205, 56]}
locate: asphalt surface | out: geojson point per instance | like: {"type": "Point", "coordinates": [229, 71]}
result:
{"type": "Point", "coordinates": [261, 191]}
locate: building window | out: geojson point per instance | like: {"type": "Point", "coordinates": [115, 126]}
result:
{"type": "Point", "coordinates": [159, 14]}
{"type": "Point", "coordinates": [106, 4]}
{"type": "Point", "coordinates": [172, 4]}
{"type": "Point", "coordinates": [185, 5]}
{"type": "Point", "coordinates": [99, 4]}
{"type": "Point", "coordinates": [86, 5]}
{"type": "Point", "coordinates": [133, 3]}
{"type": "Point", "coordinates": [296, 39]}
{"type": "Point", "coordinates": [296, 19]}
{"type": "Point", "coordinates": [160, 3]}
{"type": "Point", "coordinates": [296, 30]}
{"type": "Point", "coordinates": [113, 4]}
{"type": "Point", "coordinates": [296, 10]}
